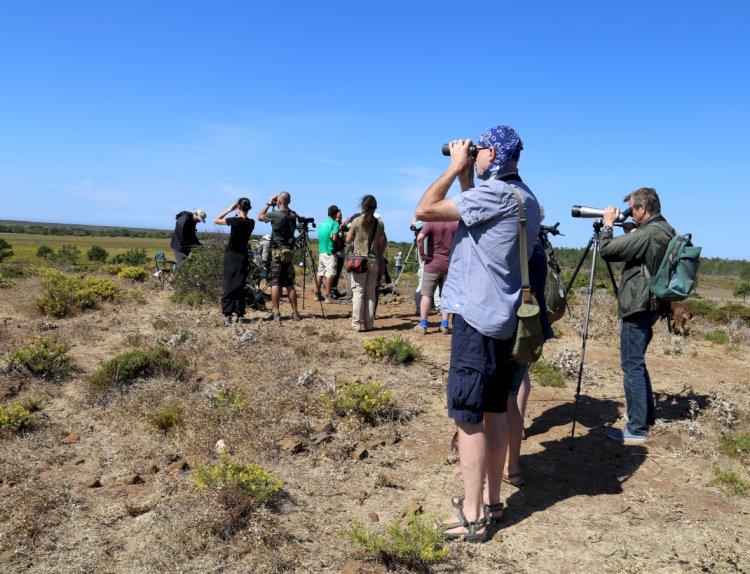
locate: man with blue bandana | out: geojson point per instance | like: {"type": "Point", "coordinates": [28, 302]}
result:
{"type": "Point", "coordinates": [483, 291]}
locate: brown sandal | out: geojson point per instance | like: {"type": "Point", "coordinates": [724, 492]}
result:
{"type": "Point", "coordinates": [514, 479]}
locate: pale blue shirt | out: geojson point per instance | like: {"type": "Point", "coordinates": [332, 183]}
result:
{"type": "Point", "coordinates": [484, 278]}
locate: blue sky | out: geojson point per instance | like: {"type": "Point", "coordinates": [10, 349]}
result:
{"type": "Point", "coordinates": [126, 113]}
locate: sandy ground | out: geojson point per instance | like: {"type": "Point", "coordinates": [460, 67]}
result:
{"type": "Point", "coordinates": [588, 505]}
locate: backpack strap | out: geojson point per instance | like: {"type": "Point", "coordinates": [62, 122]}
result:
{"type": "Point", "coordinates": [525, 285]}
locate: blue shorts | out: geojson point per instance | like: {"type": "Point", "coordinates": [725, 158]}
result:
{"type": "Point", "coordinates": [480, 374]}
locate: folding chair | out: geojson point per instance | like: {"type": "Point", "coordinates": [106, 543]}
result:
{"type": "Point", "coordinates": [163, 269]}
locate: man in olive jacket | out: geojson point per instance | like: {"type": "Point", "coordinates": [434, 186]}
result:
{"type": "Point", "coordinates": [638, 309]}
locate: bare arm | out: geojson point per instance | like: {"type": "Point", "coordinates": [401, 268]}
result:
{"type": "Point", "coordinates": [433, 205]}
{"type": "Point", "coordinates": [220, 219]}
{"type": "Point", "coordinates": [420, 246]}
{"type": "Point", "coordinates": [262, 213]}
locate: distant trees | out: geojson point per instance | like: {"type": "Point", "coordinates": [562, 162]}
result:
{"type": "Point", "coordinates": [742, 290]}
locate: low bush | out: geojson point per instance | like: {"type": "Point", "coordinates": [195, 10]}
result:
{"type": "Point", "coordinates": [125, 367]}
{"type": "Point", "coordinates": [394, 349]}
{"type": "Point", "coordinates": [97, 253]}
{"type": "Point", "coordinates": [62, 295]}
{"type": "Point", "coordinates": [368, 401]}
{"type": "Point", "coordinates": [730, 482]}
{"type": "Point", "coordinates": [736, 445]}
{"type": "Point", "coordinates": [110, 269]}
{"type": "Point", "coordinates": [6, 282]}
{"type": "Point", "coordinates": [45, 357]}
{"type": "Point", "coordinates": [167, 418]}
{"type": "Point", "coordinates": [546, 375]}
{"type": "Point", "coordinates": [34, 403]}
{"type": "Point", "coordinates": [415, 544]}
{"type": "Point", "coordinates": [44, 250]}
{"type": "Point", "coordinates": [134, 257]}
{"type": "Point", "coordinates": [6, 250]}
{"type": "Point", "coordinates": [251, 480]}
{"type": "Point", "coordinates": [66, 255]}
{"type": "Point", "coordinates": [199, 278]}
{"type": "Point", "coordinates": [717, 336]}
{"type": "Point", "coordinates": [231, 398]}
{"type": "Point", "coordinates": [15, 418]}
{"type": "Point", "coordinates": [133, 273]}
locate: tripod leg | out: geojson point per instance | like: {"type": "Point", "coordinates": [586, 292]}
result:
{"type": "Point", "coordinates": [403, 266]}
{"type": "Point", "coordinates": [309, 255]}
{"type": "Point", "coordinates": [578, 267]}
{"type": "Point", "coordinates": [595, 242]}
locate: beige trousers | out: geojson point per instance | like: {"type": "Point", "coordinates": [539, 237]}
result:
{"type": "Point", "coordinates": [364, 288]}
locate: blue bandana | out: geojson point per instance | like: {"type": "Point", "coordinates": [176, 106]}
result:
{"type": "Point", "coordinates": [506, 142]}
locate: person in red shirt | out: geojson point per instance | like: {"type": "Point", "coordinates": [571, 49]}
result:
{"type": "Point", "coordinates": [435, 252]}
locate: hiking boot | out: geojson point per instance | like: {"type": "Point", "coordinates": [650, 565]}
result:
{"type": "Point", "coordinates": [420, 329]}
{"type": "Point", "coordinates": [319, 297]}
{"type": "Point", "coordinates": [227, 320]}
{"type": "Point", "coordinates": [329, 299]}
{"type": "Point", "coordinates": [445, 330]}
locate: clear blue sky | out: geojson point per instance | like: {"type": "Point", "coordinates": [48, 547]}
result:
{"type": "Point", "coordinates": [124, 113]}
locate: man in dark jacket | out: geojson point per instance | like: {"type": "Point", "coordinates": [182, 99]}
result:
{"type": "Point", "coordinates": [645, 247]}
{"type": "Point", "coordinates": [184, 237]}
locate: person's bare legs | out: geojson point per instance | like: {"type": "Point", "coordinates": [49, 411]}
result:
{"type": "Point", "coordinates": [293, 299]}
{"type": "Point", "coordinates": [523, 393]}
{"type": "Point", "coordinates": [424, 307]}
{"type": "Point", "coordinates": [496, 429]}
{"type": "Point", "coordinates": [472, 456]}
{"type": "Point", "coordinates": [275, 297]}
{"type": "Point", "coordinates": [515, 429]}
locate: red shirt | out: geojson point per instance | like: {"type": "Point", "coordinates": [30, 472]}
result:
{"type": "Point", "coordinates": [439, 235]}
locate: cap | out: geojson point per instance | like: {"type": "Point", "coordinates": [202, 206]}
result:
{"type": "Point", "coordinates": [200, 214]}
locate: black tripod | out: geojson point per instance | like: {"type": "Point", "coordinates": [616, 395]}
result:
{"type": "Point", "coordinates": [303, 243]}
{"type": "Point", "coordinates": [593, 243]}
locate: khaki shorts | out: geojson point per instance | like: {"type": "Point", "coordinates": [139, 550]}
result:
{"type": "Point", "coordinates": [430, 281]}
{"type": "Point", "coordinates": [326, 265]}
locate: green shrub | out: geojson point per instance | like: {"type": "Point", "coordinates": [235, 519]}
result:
{"type": "Point", "coordinates": [394, 349]}
{"type": "Point", "coordinates": [368, 401]}
{"type": "Point", "coordinates": [167, 418]}
{"type": "Point", "coordinates": [718, 336]}
{"type": "Point", "coordinates": [45, 357]}
{"type": "Point", "coordinates": [546, 375]}
{"type": "Point", "coordinates": [5, 282]}
{"type": "Point", "coordinates": [416, 544]}
{"type": "Point", "coordinates": [97, 253]}
{"type": "Point", "coordinates": [137, 295]}
{"type": "Point", "coordinates": [199, 278]}
{"type": "Point", "coordinates": [6, 250]}
{"type": "Point", "coordinates": [15, 418]}
{"type": "Point", "coordinates": [44, 250]}
{"type": "Point", "coordinates": [742, 290]}
{"type": "Point", "coordinates": [729, 311]}
{"type": "Point", "coordinates": [62, 294]}
{"type": "Point", "coordinates": [66, 255]}
{"type": "Point", "coordinates": [251, 480]}
{"type": "Point", "coordinates": [110, 269]}
{"type": "Point", "coordinates": [34, 403]}
{"type": "Point", "coordinates": [125, 367]}
{"type": "Point", "coordinates": [132, 257]}
{"type": "Point", "coordinates": [730, 482]}
{"type": "Point", "coordinates": [231, 398]}
{"type": "Point", "coordinates": [699, 307]}
{"type": "Point", "coordinates": [133, 273]}
{"type": "Point", "coordinates": [736, 445]}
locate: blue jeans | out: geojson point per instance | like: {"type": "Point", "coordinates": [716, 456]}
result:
{"type": "Point", "coordinates": [635, 335]}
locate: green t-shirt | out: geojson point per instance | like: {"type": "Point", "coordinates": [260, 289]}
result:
{"type": "Point", "coordinates": [325, 229]}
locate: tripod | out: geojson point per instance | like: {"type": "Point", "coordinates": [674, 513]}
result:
{"type": "Point", "coordinates": [593, 246]}
{"type": "Point", "coordinates": [303, 242]}
{"type": "Point", "coordinates": [406, 260]}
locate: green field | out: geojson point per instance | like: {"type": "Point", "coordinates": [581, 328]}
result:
{"type": "Point", "coordinates": [25, 245]}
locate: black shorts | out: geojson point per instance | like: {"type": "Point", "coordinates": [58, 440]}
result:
{"type": "Point", "coordinates": [282, 274]}
{"type": "Point", "coordinates": [480, 374]}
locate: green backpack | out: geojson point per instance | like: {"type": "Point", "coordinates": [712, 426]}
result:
{"type": "Point", "coordinates": [675, 278]}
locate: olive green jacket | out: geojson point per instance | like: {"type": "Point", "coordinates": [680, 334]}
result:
{"type": "Point", "coordinates": [644, 246]}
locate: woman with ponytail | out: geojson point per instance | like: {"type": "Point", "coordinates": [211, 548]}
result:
{"type": "Point", "coordinates": [366, 238]}
{"type": "Point", "coordinates": [236, 261]}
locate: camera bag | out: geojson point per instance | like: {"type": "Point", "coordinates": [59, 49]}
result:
{"type": "Point", "coordinates": [358, 263]}
{"type": "Point", "coordinates": [554, 288]}
{"type": "Point", "coordinates": [529, 339]}
{"type": "Point", "coordinates": [675, 278]}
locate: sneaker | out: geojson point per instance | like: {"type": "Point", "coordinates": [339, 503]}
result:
{"type": "Point", "coordinates": [296, 317]}
{"type": "Point", "coordinates": [276, 317]}
{"type": "Point", "coordinates": [319, 297]}
{"type": "Point", "coordinates": [330, 299]}
{"type": "Point", "coordinates": [445, 330]}
{"type": "Point", "coordinates": [624, 436]}
{"type": "Point", "coordinates": [420, 329]}
{"type": "Point", "coordinates": [227, 320]}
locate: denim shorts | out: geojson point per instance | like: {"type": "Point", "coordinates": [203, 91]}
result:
{"type": "Point", "coordinates": [480, 374]}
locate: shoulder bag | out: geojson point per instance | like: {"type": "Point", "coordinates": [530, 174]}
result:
{"type": "Point", "coordinates": [358, 263]}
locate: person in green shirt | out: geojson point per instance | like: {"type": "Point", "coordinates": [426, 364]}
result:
{"type": "Point", "coordinates": [327, 233]}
